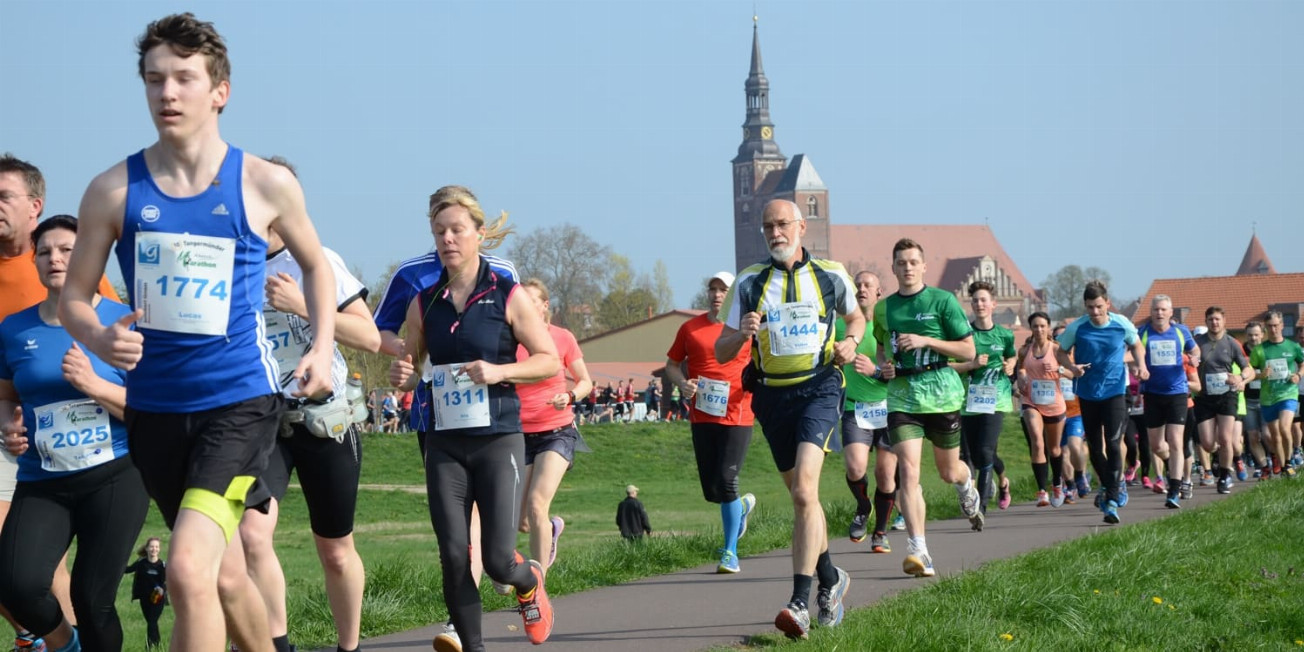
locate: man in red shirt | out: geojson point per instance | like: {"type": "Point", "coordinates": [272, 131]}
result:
{"type": "Point", "coordinates": [721, 415]}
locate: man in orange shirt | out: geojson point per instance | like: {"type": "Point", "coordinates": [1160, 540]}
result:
{"type": "Point", "coordinates": [22, 198]}
{"type": "Point", "coordinates": [721, 415]}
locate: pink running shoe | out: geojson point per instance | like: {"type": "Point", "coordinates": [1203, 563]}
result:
{"type": "Point", "coordinates": [1004, 502]}
{"type": "Point", "coordinates": [1130, 474]}
{"type": "Point", "coordinates": [1158, 486]}
{"type": "Point", "coordinates": [1145, 482]}
{"type": "Point", "coordinates": [1043, 499]}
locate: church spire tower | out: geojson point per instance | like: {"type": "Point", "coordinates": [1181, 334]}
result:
{"type": "Point", "coordinates": [758, 157]}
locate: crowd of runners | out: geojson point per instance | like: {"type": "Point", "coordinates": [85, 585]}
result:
{"type": "Point", "coordinates": [223, 374]}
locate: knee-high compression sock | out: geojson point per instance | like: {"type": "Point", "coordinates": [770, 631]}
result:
{"type": "Point", "coordinates": [1040, 471]}
{"type": "Point", "coordinates": [860, 491]}
{"type": "Point", "coordinates": [731, 514]}
{"type": "Point", "coordinates": [1057, 470]}
{"type": "Point", "coordinates": [882, 510]}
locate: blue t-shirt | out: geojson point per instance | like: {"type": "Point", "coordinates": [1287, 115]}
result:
{"type": "Point", "coordinates": [1164, 359]}
{"type": "Point", "coordinates": [1103, 347]}
{"type": "Point", "coordinates": [64, 430]}
{"type": "Point", "coordinates": [409, 279]}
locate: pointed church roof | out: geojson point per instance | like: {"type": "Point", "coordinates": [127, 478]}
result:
{"type": "Point", "coordinates": [756, 70]}
{"type": "Point", "coordinates": [1255, 260]}
{"type": "Point", "coordinates": [800, 176]}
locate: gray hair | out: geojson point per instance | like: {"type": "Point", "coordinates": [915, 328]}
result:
{"type": "Point", "coordinates": [1160, 298]}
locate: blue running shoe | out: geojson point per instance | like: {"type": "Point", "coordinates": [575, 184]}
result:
{"type": "Point", "coordinates": [749, 503]}
{"type": "Point", "coordinates": [1099, 502]}
{"type": "Point", "coordinates": [1122, 494]}
{"type": "Point", "coordinates": [1084, 489]}
{"type": "Point", "coordinates": [728, 563]}
{"type": "Point", "coordinates": [1111, 513]}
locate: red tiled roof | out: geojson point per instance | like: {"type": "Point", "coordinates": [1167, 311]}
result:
{"type": "Point", "coordinates": [869, 246]}
{"type": "Point", "coordinates": [1255, 255]}
{"type": "Point", "coordinates": [1242, 298]}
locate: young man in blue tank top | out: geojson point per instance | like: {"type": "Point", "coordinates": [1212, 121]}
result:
{"type": "Point", "coordinates": [190, 215]}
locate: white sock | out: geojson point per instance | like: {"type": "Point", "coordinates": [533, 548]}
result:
{"type": "Point", "coordinates": [917, 544]}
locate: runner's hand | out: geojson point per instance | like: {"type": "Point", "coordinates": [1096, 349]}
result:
{"type": "Point", "coordinates": [77, 369]}
{"type": "Point", "coordinates": [980, 361]}
{"type": "Point", "coordinates": [483, 373]}
{"type": "Point", "coordinates": [559, 401]}
{"type": "Point", "coordinates": [314, 373]}
{"type": "Point", "coordinates": [401, 370]}
{"type": "Point", "coordinates": [907, 342]}
{"type": "Point", "coordinates": [750, 324]}
{"type": "Point", "coordinates": [1143, 372]}
{"type": "Point", "coordinates": [284, 295]}
{"type": "Point", "coordinates": [864, 365]}
{"type": "Point", "coordinates": [889, 370]}
{"type": "Point", "coordinates": [119, 345]}
{"type": "Point", "coordinates": [688, 390]}
{"type": "Point", "coordinates": [844, 351]}
{"type": "Point", "coordinates": [14, 432]}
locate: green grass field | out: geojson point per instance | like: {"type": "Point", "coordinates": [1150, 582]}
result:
{"type": "Point", "coordinates": [398, 547]}
{"type": "Point", "coordinates": [1229, 576]}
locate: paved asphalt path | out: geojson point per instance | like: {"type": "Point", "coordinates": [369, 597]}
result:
{"type": "Point", "coordinates": [696, 608]}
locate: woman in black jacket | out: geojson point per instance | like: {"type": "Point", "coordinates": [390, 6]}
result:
{"type": "Point", "coordinates": [150, 585]}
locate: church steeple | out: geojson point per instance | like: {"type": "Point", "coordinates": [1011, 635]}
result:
{"type": "Point", "coordinates": [758, 130]}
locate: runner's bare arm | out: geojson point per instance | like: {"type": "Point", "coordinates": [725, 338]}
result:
{"type": "Point", "coordinates": [731, 340]}
{"type": "Point", "coordinates": [1066, 362]}
{"type": "Point", "coordinates": [402, 370]}
{"type": "Point", "coordinates": [99, 225]}
{"type": "Point", "coordinates": [354, 326]}
{"type": "Point", "coordinates": [1139, 355]}
{"type": "Point", "coordinates": [282, 192]}
{"type": "Point", "coordinates": [579, 372]}
{"type": "Point", "coordinates": [844, 352]}
{"type": "Point", "coordinates": [675, 374]}
{"type": "Point", "coordinates": [11, 419]}
{"type": "Point", "coordinates": [79, 373]}
{"type": "Point", "coordinates": [531, 331]}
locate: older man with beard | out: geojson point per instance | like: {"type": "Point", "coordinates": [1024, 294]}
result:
{"type": "Point", "coordinates": [785, 308]}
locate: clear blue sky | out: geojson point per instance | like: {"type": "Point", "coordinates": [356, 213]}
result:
{"type": "Point", "coordinates": [1142, 137]}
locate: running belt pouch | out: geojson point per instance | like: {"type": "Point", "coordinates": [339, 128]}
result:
{"type": "Point", "coordinates": [751, 377]}
{"type": "Point", "coordinates": [329, 421]}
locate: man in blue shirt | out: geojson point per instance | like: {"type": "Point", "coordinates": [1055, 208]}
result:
{"type": "Point", "coordinates": [1098, 341]}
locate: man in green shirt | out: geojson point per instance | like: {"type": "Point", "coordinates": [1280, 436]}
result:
{"type": "Point", "coordinates": [924, 328]}
{"type": "Point", "coordinates": [864, 425]}
{"type": "Point", "coordinates": [1278, 360]}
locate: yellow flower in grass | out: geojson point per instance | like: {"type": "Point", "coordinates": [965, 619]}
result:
{"type": "Point", "coordinates": [1172, 607]}
{"type": "Point", "coordinates": [1097, 591]}
{"type": "Point", "coordinates": [1157, 600]}
{"type": "Point", "coordinates": [1007, 637]}
{"type": "Point", "coordinates": [1299, 642]}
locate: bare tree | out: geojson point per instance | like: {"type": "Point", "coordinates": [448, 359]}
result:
{"type": "Point", "coordinates": [661, 282]}
{"type": "Point", "coordinates": [573, 266]}
{"type": "Point", "coordinates": [1063, 289]}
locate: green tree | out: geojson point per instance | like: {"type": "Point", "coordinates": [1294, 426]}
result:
{"type": "Point", "coordinates": [1063, 289]}
{"type": "Point", "coordinates": [661, 287]}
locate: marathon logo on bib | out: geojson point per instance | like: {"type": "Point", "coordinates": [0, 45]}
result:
{"type": "Point", "coordinates": [1163, 353]}
{"type": "Point", "coordinates": [73, 435]}
{"type": "Point", "coordinates": [183, 282]}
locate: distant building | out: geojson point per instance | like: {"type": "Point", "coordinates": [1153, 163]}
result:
{"type": "Point", "coordinates": [1255, 289]}
{"type": "Point", "coordinates": [955, 255]}
{"type": "Point", "coordinates": [635, 351]}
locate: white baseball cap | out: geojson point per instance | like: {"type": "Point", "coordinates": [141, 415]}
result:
{"type": "Point", "coordinates": [1199, 330]}
{"type": "Point", "coordinates": [723, 277]}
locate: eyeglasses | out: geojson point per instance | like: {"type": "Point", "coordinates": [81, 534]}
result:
{"type": "Point", "coordinates": [9, 197]}
{"type": "Point", "coordinates": [766, 227]}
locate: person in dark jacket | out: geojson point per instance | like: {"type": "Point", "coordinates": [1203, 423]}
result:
{"type": "Point", "coordinates": [631, 517]}
{"type": "Point", "coordinates": [150, 586]}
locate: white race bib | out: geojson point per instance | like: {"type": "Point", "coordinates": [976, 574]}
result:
{"type": "Point", "coordinates": [1066, 388]}
{"type": "Point", "coordinates": [1043, 392]}
{"type": "Point", "coordinates": [73, 435]}
{"type": "Point", "coordinates": [981, 399]}
{"type": "Point", "coordinates": [871, 416]}
{"type": "Point", "coordinates": [713, 396]}
{"type": "Point", "coordinates": [290, 338]}
{"type": "Point", "coordinates": [795, 329]}
{"type": "Point", "coordinates": [183, 282]}
{"type": "Point", "coordinates": [1163, 353]}
{"type": "Point", "coordinates": [1215, 384]}
{"type": "Point", "coordinates": [459, 402]}
{"type": "Point", "coordinates": [1278, 369]}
